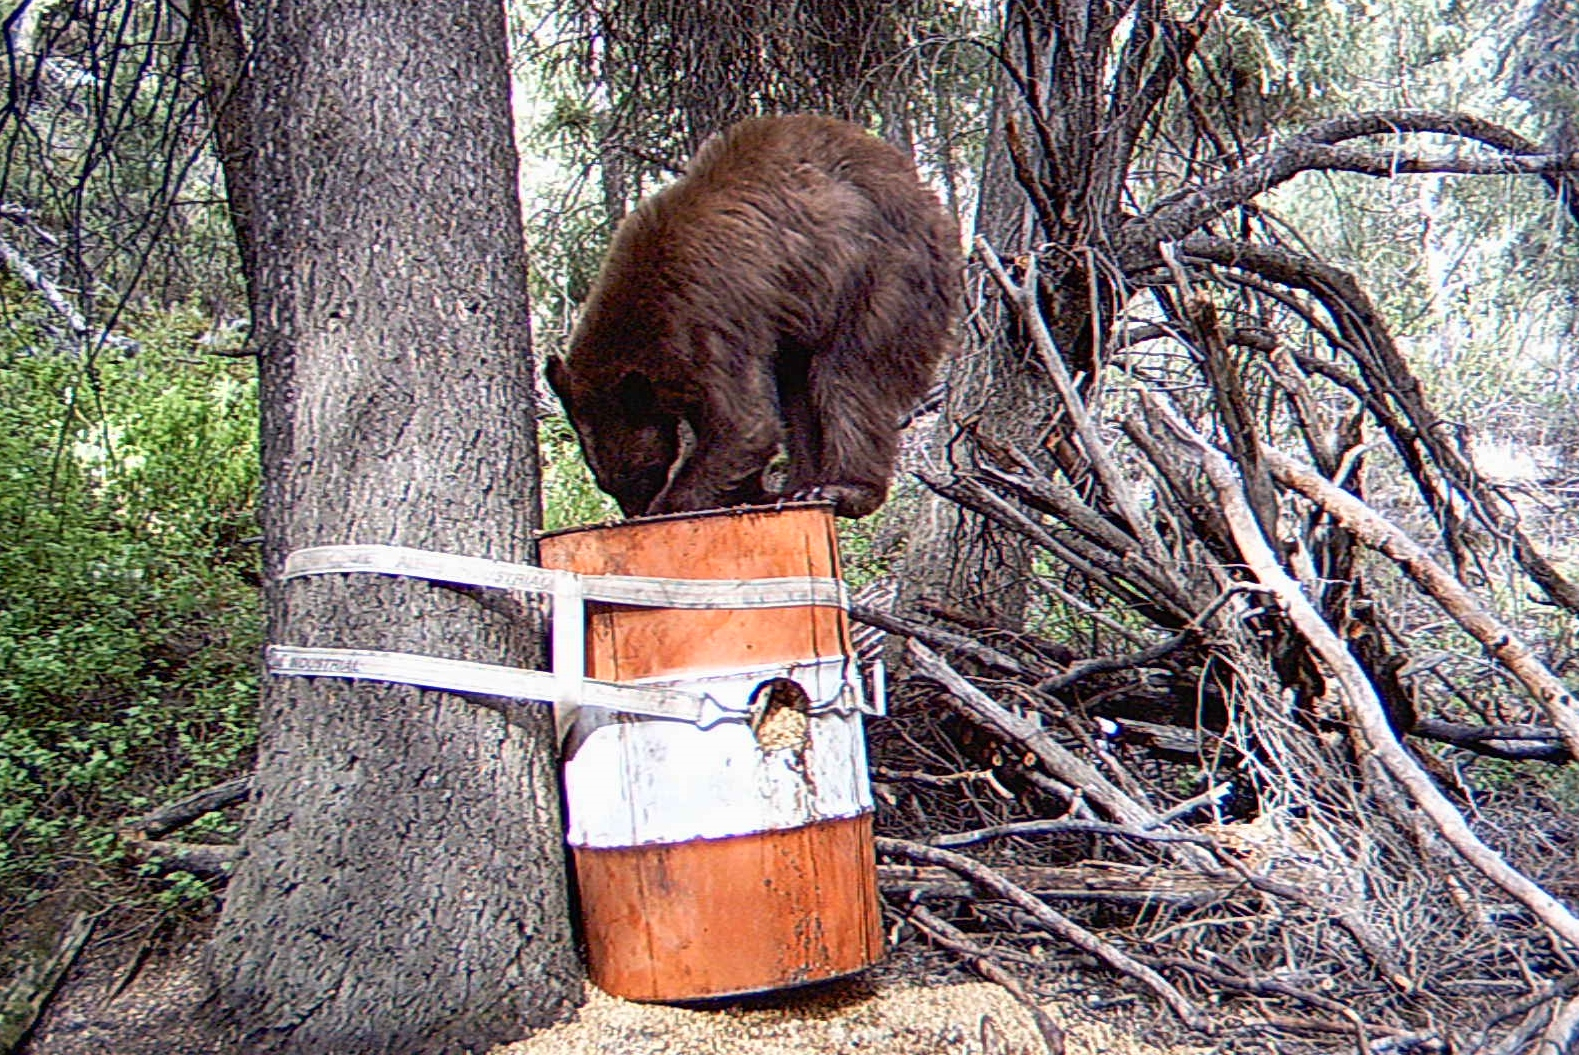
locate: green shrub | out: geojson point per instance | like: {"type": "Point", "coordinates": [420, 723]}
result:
{"type": "Point", "coordinates": [129, 615]}
{"type": "Point", "coordinates": [570, 498]}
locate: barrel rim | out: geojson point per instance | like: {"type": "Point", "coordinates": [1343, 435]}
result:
{"type": "Point", "coordinates": [701, 514]}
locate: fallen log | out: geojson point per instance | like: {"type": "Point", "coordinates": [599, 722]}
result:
{"type": "Point", "coordinates": [178, 814]}
{"type": "Point", "coordinates": [30, 991]}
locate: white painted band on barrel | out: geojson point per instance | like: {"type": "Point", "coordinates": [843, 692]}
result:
{"type": "Point", "coordinates": [488, 679]}
{"type": "Point", "coordinates": [634, 783]}
{"type": "Point", "coordinates": [636, 590]}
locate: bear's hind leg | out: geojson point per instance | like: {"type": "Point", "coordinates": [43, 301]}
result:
{"type": "Point", "coordinates": [878, 367]}
{"type": "Point", "coordinates": [802, 443]}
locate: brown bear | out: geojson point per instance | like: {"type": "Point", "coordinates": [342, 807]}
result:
{"type": "Point", "coordinates": [795, 287]}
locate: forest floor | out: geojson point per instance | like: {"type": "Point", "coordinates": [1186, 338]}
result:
{"type": "Point", "coordinates": [886, 1016]}
{"type": "Point", "coordinates": [124, 1000]}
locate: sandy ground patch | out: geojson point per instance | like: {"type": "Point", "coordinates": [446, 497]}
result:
{"type": "Point", "coordinates": [873, 1018]}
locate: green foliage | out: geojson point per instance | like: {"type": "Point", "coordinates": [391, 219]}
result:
{"type": "Point", "coordinates": [570, 498]}
{"type": "Point", "coordinates": [872, 547]}
{"type": "Point", "coordinates": [129, 620]}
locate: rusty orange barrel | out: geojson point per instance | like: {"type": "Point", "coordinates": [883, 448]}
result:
{"type": "Point", "coordinates": [734, 858]}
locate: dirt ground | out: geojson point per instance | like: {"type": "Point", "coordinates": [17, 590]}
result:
{"type": "Point", "coordinates": [869, 1017]}
{"type": "Point", "coordinates": [97, 1012]}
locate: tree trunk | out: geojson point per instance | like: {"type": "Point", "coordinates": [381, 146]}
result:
{"type": "Point", "coordinates": [222, 53]}
{"type": "Point", "coordinates": [402, 882]}
{"type": "Point", "coordinates": [956, 556]}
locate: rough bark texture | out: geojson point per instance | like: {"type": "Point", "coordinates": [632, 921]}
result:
{"type": "Point", "coordinates": [956, 556]}
{"type": "Point", "coordinates": [222, 53]}
{"type": "Point", "coordinates": [402, 885]}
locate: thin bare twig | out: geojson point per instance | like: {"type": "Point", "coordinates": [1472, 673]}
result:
{"type": "Point", "coordinates": [1056, 923]}
{"type": "Point", "coordinates": [956, 941]}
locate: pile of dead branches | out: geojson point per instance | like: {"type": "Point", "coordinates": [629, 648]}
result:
{"type": "Point", "coordinates": [1212, 679]}
{"type": "Point", "coordinates": [1227, 755]}
{"type": "Point", "coordinates": [1243, 784]}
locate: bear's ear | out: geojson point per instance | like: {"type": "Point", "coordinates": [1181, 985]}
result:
{"type": "Point", "coordinates": [636, 395]}
{"type": "Point", "coordinates": [558, 375]}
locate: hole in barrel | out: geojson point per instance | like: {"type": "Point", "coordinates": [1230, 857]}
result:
{"type": "Point", "coordinates": [779, 715]}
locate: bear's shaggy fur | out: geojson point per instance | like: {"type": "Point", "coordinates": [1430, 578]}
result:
{"type": "Point", "coordinates": [796, 286]}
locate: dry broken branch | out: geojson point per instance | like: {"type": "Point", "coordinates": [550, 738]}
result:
{"type": "Point", "coordinates": [207, 861]}
{"type": "Point", "coordinates": [1056, 923]}
{"type": "Point", "coordinates": [1365, 710]}
{"type": "Point", "coordinates": [1023, 296]}
{"type": "Point", "coordinates": [1456, 600]}
{"type": "Point", "coordinates": [959, 643]}
{"type": "Point", "coordinates": [956, 941]}
{"type": "Point", "coordinates": [1188, 211]}
{"type": "Point", "coordinates": [1394, 396]}
{"type": "Point", "coordinates": [143, 835]}
{"type": "Point", "coordinates": [29, 992]}
{"type": "Point", "coordinates": [1529, 743]}
{"type": "Point", "coordinates": [1097, 882]}
{"type": "Point", "coordinates": [1055, 827]}
{"type": "Point", "coordinates": [1057, 759]}
{"type": "Point", "coordinates": [175, 815]}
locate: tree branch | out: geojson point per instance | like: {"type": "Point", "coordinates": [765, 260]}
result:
{"type": "Point", "coordinates": [1365, 709]}
{"type": "Point", "coordinates": [938, 638]}
{"type": "Point", "coordinates": [1060, 827]}
{"type": "Point", "coordinates": [1062, 763]}
{"type": "Point", "coordinates": [1102, 882]}
{"type": "Point", "coordinates": [1497, 638]}
{"type": "Point", "coordinates": [38, 976]}
{"type": "Point", "coordinates": [1135, 582]}
{"type": "Point", "coordinates": [1024, 297]}
{"type": "Point", "coordinates": [1519, 743]}
{"type": "Point", "coordinates": [1055, 922]}
{"type": "Point", "coordinates": [1315, 150]}
{"type": "Point", "coordinates": [172, 816]}
{"type": "Point", "coordinates": [957, 942]}
{"type": "Point", "coordinates": [1107, 664]}
{"type": "Point", "coordinates": [227, 93]}
{"type": "Point", "coordinates": [1130, 110]}
{"type": "Point", "coordinates": [32, 276]}
{"type": "Point", "coordinates": [1414, 429]}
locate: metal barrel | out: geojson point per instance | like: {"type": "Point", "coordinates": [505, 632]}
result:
{"type": "Point", "coordinates": [735, 858]}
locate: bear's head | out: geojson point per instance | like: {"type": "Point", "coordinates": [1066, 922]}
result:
{"type": "Point", "coordinates": [629, 442]}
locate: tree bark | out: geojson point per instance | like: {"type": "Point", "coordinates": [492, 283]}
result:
{"type": "Point", "coordinates": [222, 53]}
{"type": "Point", "coordinates": [402, 884]}
{"type": "Point", "coordinates": [956, 556]}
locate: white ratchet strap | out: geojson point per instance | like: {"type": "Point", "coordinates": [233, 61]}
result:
{"type": "Point", "coordinates": [489, 679]}
{"type": "Point", "coordinates": [568, 642]}
{"type": "Point", "coordinates": [639, 591]}
{"type": "Point", "coordinates": [567, 685]}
